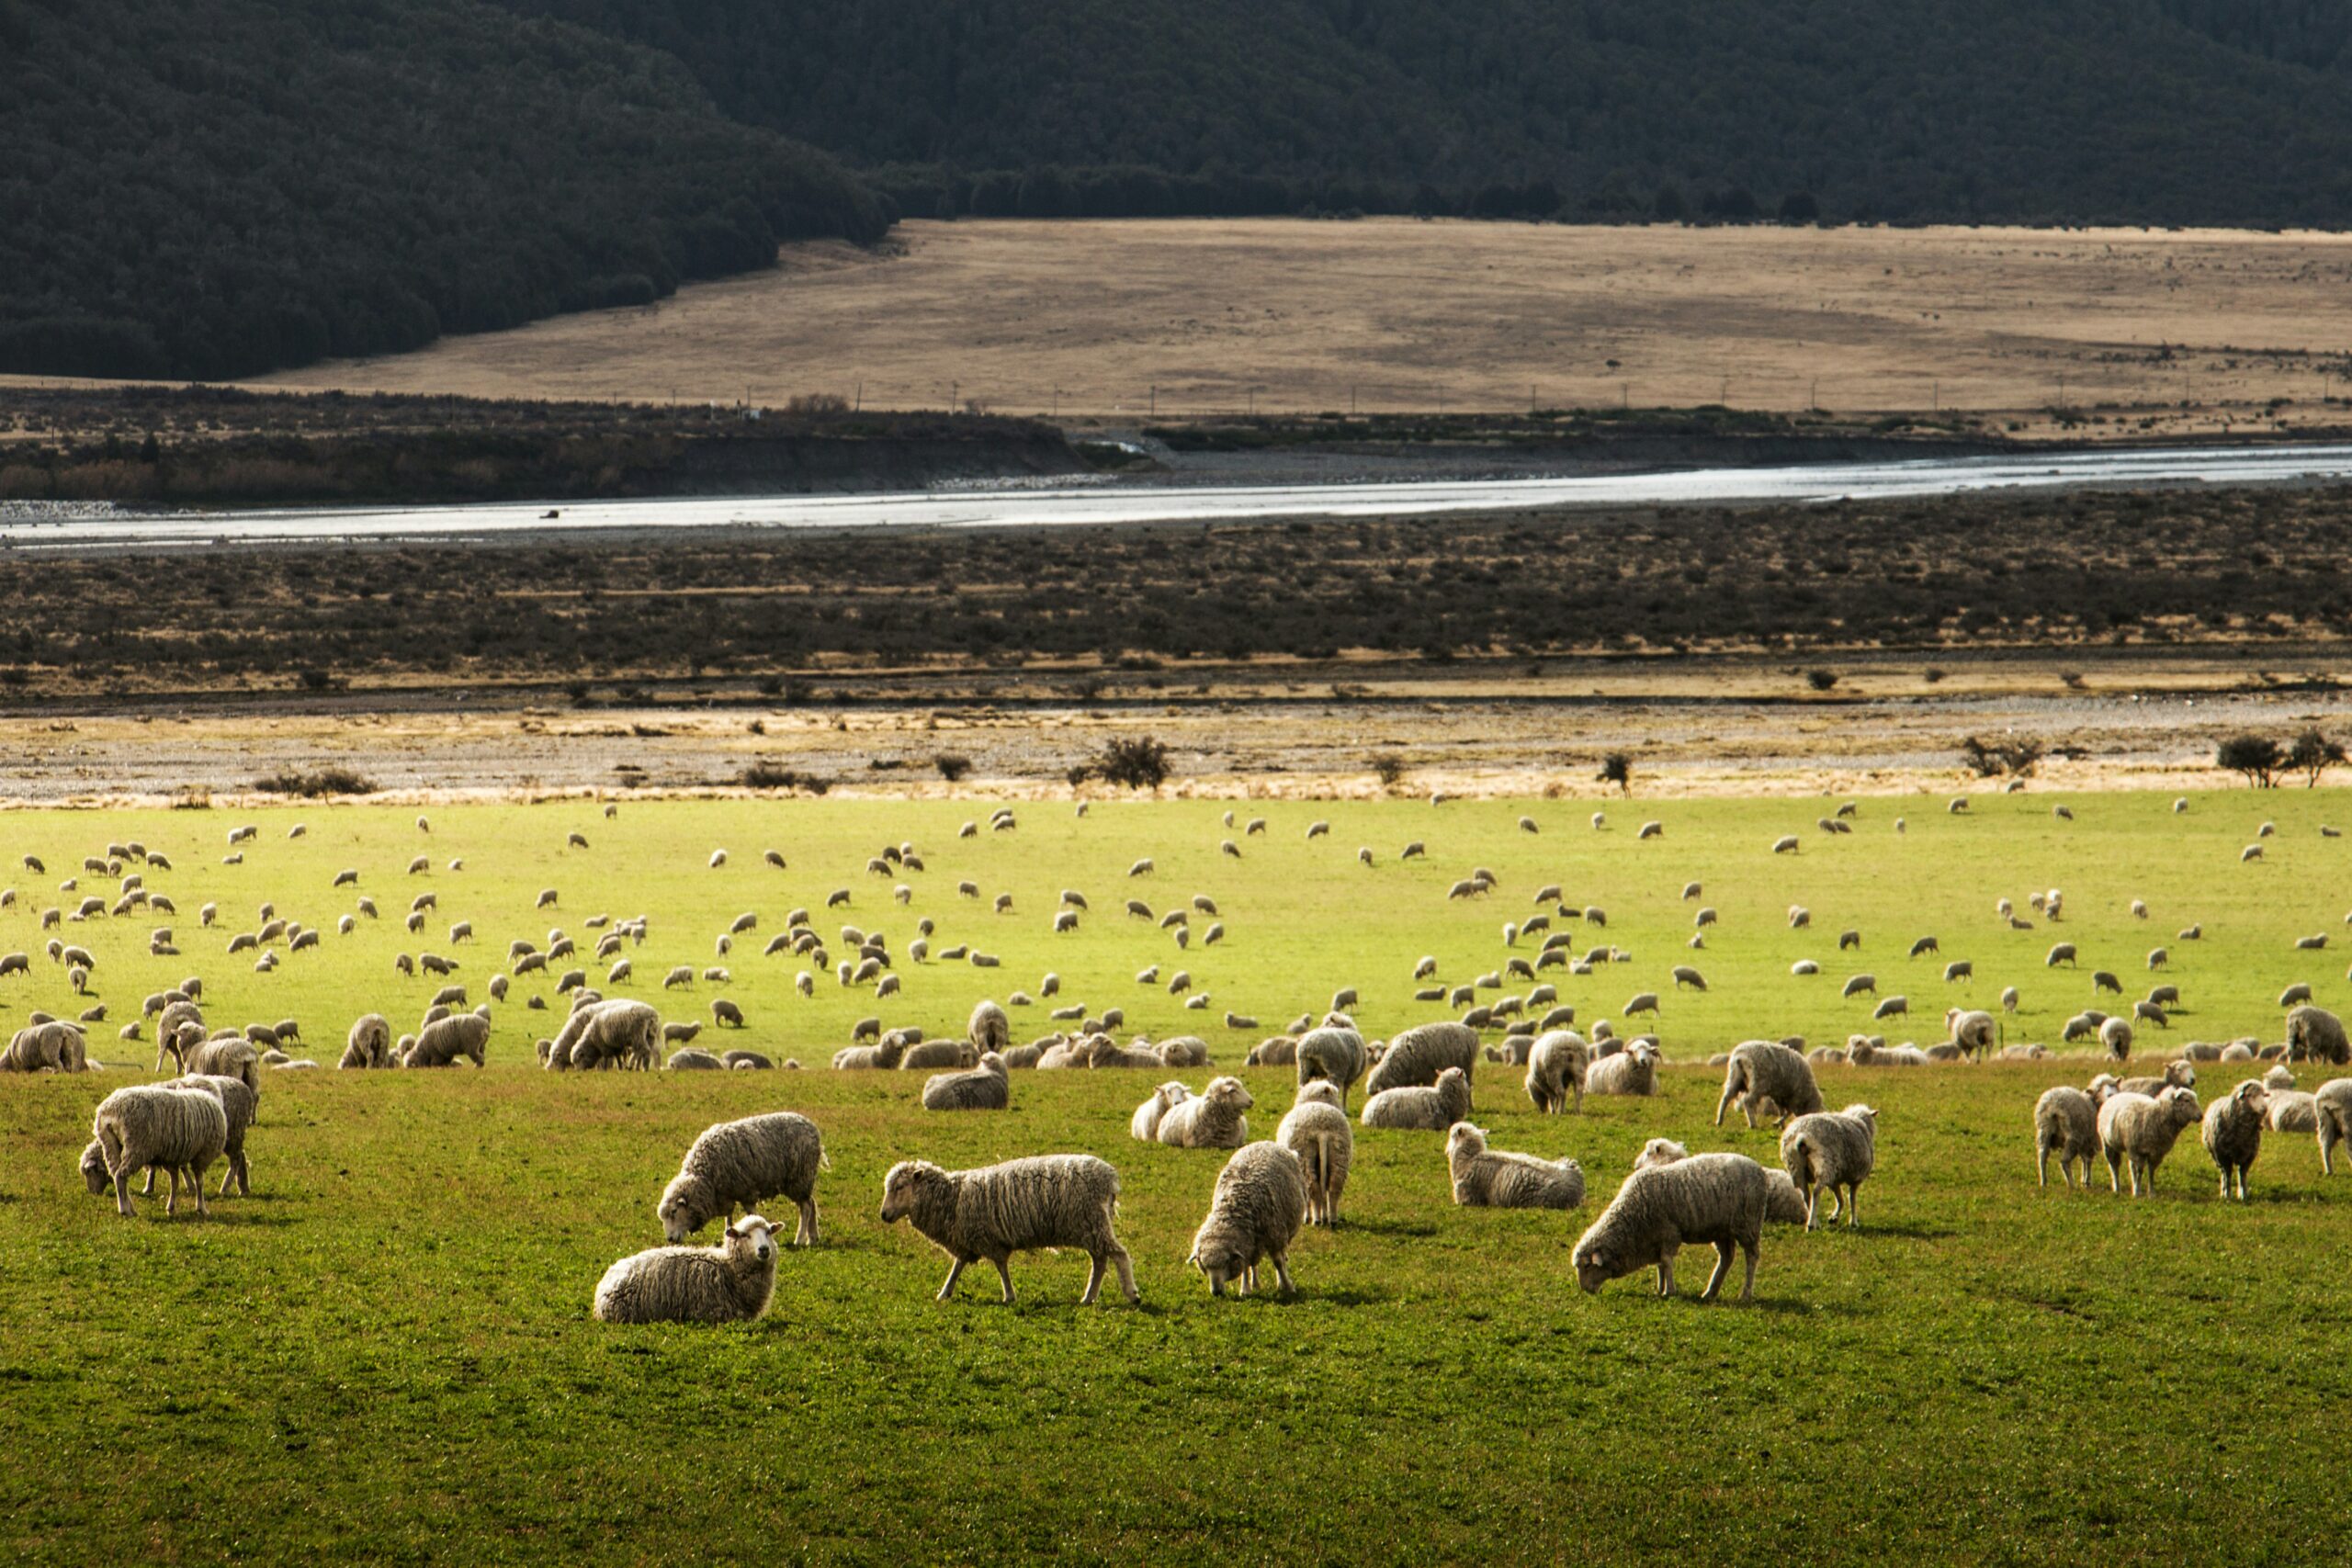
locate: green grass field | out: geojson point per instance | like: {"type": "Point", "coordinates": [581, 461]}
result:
{"type": "Point", "coordinates": [386, 1353]}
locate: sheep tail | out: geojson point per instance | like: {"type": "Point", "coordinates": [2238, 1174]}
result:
{"type": "Point", "coordinates": [1802, 1158]}
{"type": "Point", "coordinates": [824, 1160]}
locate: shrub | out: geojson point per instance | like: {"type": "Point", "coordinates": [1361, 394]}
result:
{"type": "Point", "coordinates": [952, 767]}
{"type": "Point", "coordinates": [774, 775]}
{"type": "Point", "coordinates": [2257, 756]}
{"type": "Point", "coordinates": [1821, 679]}
{"type": "Point", "coordinates": [1991, 759]}
{"type": "Point", "coordinates": [2313, 754]}
{"type": "Point", "coordinates": [1389, 769]}
{"type": "Point", "coordinates": [1130, 763]}
{"type": "Point", "coordinates": [314, 784]}
{"type": "Point", "coordinates": [1617, 768]}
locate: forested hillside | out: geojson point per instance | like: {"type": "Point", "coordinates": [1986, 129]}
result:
{"type": "Point", "coordinates": [215, 188]}
{"type": "Point", "coordinates": [2037, 110]}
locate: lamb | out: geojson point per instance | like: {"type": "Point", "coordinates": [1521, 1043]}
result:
{"type": "Point", "coordinates": [984, 1088]}
{"type": "Point", "coordinates": [1630, 1071]}
{"type": "Point", "coordinates": [743, 1163]}
{"type": "Point", "coordinates": [149, 1125]}
{"type": "Point", "coordinates": [2316, 1034]}
{"type": "Point", "coordinates": [1211, 1120]}
{"type": "Point", "coordinates": [1556, 1065]}
{"type": "Point", "coordinates": [1256, 1212]}
{"type": "Point", "coordinates": [2065, 1123]}
{"type": "Point", "coordinates": [1420, 1055]}
{"type": "Point", "coordinates": [2232, 1132]}
{"type": "Point", "coordinates": [1335, 1055]}
{"type": "Point", "coordinates": [732, 1282]}
{"type": "Point", "coordinates": [369, 1044]}
{"type": "Point", "coordinates": [1484, 1177]}
{"type": "Point", "coordinates": [441, 1042]}
{"type": "Point", "coordinates": [1318, 1131]}
{"type": "Point", "coordinates": [1766, 1073]}
{"type": "Point", "coordinates": [1718, 1198]}
{"type": "Point", "coordinates": [1144, 1125]}
{"type": "Point", "coordinates": [1417, 1108]}
{"type": "Point", "coordinates": [1831, 1150]}
{"type": "Point", "coordinates": [2134, 1127]}
{"type": "Point", "coordinates": [2331, 1119]}
{"type": "Point", "coordinates": [1022, 1204]}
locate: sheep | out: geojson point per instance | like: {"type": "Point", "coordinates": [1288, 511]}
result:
{"type": "Point", "coordinates": [2060, 952]}
{"type": "Point", "coordinates": [747, 1061]}
{"type": "Point", "coordinates": [1417, 1108]}
{"type": "Point", "coordinates": [1764, 1072]}
{"type": "Point", "coordinates": [1274, 1051]}
{"type": "Point", "coordinates": [1925, 944]}
{"type": "Point", "coordinates": [2176, 1075]}
{"type": "Point", "coordinates": [44, 1047]}
{"type": "Point", "coordinates": [732, 1282]}
{"type": "Point", "coordinates": [2065, 1123]}
{"type": "Point", "coordinates": [1786, 844]}
{"type": "Point", "coordinates": [1144, 1125]}
{"type": "Point", "coordinates": [1043, 1201]}
{"type": "Point", "coordinates": [1831, 1150]}
{"type": "Point", "coordinates": [692, 1059]}
{"type": "Point", "coordinates": [2115, 1038]}
{"type": "Point", "coordinates": [369, 1044]}
{"type": "Point", "coordinates": [743, 1163]}
{"type": "Point", "coordinates": [441, 1044]}
{"type": "Point", "coordinates": [1336, 1055]}
{"type": "Point", "coordinates": [1557, 1064]}
{"type": "Point", "coordinates": [1489, 1178]}
{"type": "Point", "coordinates": [2134, 1127]}
{"type": "Point", "coordinates": [2331, 1119]}
{"type": "Point", "coordinates": [150, 1125]}
{"type": "Point", "coordinates": [1256, 1211]}
{"type": "Point", "coordinates": [1973, 1032]}
{"type": "Point", "coordinates": [1187, 1050]}
{"type": "Point", "coordinates": [725, 1014]}
{"type": "Point", "coordinates": [886, 1055]}
{"type": "Point", "coordinates": [984, 1088]}
{"type": "Point", "coordinates": [680, 1033]}
{"type": "Point", "coordinates": [1717, 1198]}
{"type": "Point", "coordinates": [1420, 1054]}
{"type": "Point", "coordinates": [241, 1103]}
{"type": "Point", "coordinates": [1318, 1131]}
{"type": "Point", "coordinates": [1630, 1071]}
{"type": "Point", "coordinates": [1892, 1007]}
{"type": "Point", "coordinates": [1857, 984]}
{"type": "Point", "coordinates": [1213, 1119]}
{"type": "Point", "coordinates": [2232, 1132]}
{"type": "Point", "coordinates": [2316, 1034]}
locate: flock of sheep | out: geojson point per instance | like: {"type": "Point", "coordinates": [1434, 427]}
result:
{"type": "Point", "coordinates": [1417, 1081]}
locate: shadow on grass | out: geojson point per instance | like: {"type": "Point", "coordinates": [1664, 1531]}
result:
{"type": "Point", "coordinates": [1387, 1228]}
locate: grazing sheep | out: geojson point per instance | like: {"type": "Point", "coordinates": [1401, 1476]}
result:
{"type": "Point", "coordinates": [2316, 1034]}
{"type": "Point", "coordinates": [1274, 1051]}
{"type": "Point", "coordinates": [732, 1282]}
{"type": "Point", "coordinates": [1857, 984]}
{"type": "Point", "coordinates": [1716, 1199]}
{"type": "Point", "coordinates": [1785, 845]}
{"type": "Point", "coordinates": [2134, 1127]}
{"type": "Point", "coordinates": [1214, 1119]}
{"type": "Point", "coordinates": [1490, 1178]}
{"type": "Point", "coordinates": [1256, 1211]}
{"type": "Point", "coordinates": [1764, 1075]}
{"type": "Point", "coordinates": [1144, 1125]}
{"type": "Point", "coordinates": [241, 1104]}
{"type": "Point", "coordinates": [1974, 1032]}
{"type": "Point", "coordinates": [725, 1014]}
{"type": "Point", "coordinates": [370, 1044]}
{"type": "Point", "coordinates": [441, 1042]}
{"type": "Point", "coordinates": [2232, 1132]}
{"type": "Point", "coordinates": [2115, 1038]}
{"type": "Point", "coordinates": [1417, 1108]}
{"type": "Point", "coordinates": [1925, 944]}
{"type": "Point", "coordinates": [1335, 1055]}
{"type": "Point", "coordinates": [1318, 1131]}
{"type": "Point", "coordinates": [2060, 952]}
{"type": "Point", "coordinates": [1831, 1151]}
{"type": "Point", "coordinates": [2331, 1119]}
{"type": "Point", "coordinates": [1418, 1055]}
{"type": "Point", "coordinates": [989, 1029]}
{"type": "Point", "coordinates": [2065, 1123]}
{"type": "Point", "coordinates": [1892, 1007]}
{"type": "Point", "coordinates": [929, 1054]}
{"type": "Point", "coordinates": [1557, 1064]}
{"type": "Point", "coordinates": [1024, 1204]}
{"type": "Point", "coordinates": [44, 1047]}
{"type": "Point", "coordinates": [984, 1088]}
{"type": "Point", "coordinates": [1630, 1071]}
{"type": "Point", "coordinates": [148, 1127]}
{"type": "Point", "coordinates": [606, 1035]}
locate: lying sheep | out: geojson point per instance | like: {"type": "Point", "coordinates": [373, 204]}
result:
{"type": "Point", "coordinates": [1557, 1064]}
{"type": "Point", "coordinates": [1420, 1108]}
{"type": "Point", "coordinates": [1214, 1119]}
{"type": "Point", "coordinates": [984, 1088]}
{"type": "Point", "coordinates": [1022, 1204]}
{"type": "Point", "coordinates": [934, 1053]}
{"type": "Point", "coordinates": [1484, 1177]}
{"type": "Point", "coordinates": [886, 1055]}
{"type": "Point", "coordinates": [732, 1282]}
{"type": "Point", "coordinates": [1717, 1199]}
{"type": "Point", "coordinates": [1256, 1211]}
{"type": "Point", "coordinates": [2232, 1132]}
{"type": "Point", "coordinates": [1418, 1055]}
{"type": "Point", "coordinates": [1318, 1131]}
{"type": "Point", "coordinates": [1831, 1151]}
{"type": "Point", "coordinates": [1765, 1073]}
{"type": "Point", "coordinates": [2142, 1131]}
{"type": "Point", "coordinates": [148, 1127]}
{"type": "Point", "coordinates": [2065, 1123]}
{"type": "Point", "coordinates": [747, 1061]}
{"type": "Point", "coordinates": [1630, 1071]}
{"type": "Point", "coordinates": [743, 1164]}
{"type": "Point", "coordinates": [692, 1059]}
{"type": "Point", "coordinates": [1144, 1125]}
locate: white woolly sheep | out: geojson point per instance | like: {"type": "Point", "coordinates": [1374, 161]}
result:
{"type": "Point", "coordinates": [152, 1125]}
{"type": "Point", "coordinates": [743, 1164]}
{"type": "Point", "coordinates": [1334, 1055]}
{"type": "Point", "coordinates": [1214, 1119]}
{"type": "Point", "coordinates": [1418, 1055]}
{"type": "Point", "coordinates": [1973, 1032]}
{"type": "Point", "coordinates": [2314, 1033]}
{"type": "Point", "coordinates": [1256, 1211]}
{"type": "Point", "coordinates": [732, 1282]}
{"type": "Point", "coordinates": [1831, 1151]}
{"type": "Point", "coordinates": [984, 1088]}
{"type": "Point", "coordinates": [2065, 1123]}
{"type": "Point", "coordinates": [241, 1104]}
{"type": "Point", "coordinates": [1556, 1065]}
{"type": "Point", "coordinates": [2135, 1128]}
{"type": "Point", "coordinates": [1318, 1131]}
{"type": "Point", "coordinates": [993, 1211]}
{"type": "Point", "coordinates": [2232, 1132]}
{"type": "Point", "coordinates": [1630, 1071]}
{"type": "Point", "coordinates": [2115, 1039]}
{"type": "Point", "coordinates": [1717, 1199]}
{"type": "Point", "coordinates": [1484, 1177]}
{"type": "Point", "coordinates": [1144, 1125]}
{"type": "Point", "coordinates": [989, 1029]}
{"type": "Point", "coordinates": [1765, 1073]}
{"type": "Point", "coordinates": [369, 1044]}
{"type": "Point", "coordinates": [2331, 1119]}
{"type": "Point", "coordinates": [1418, 1108]}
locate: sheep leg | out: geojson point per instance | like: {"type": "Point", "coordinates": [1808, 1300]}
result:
{"type": "Point", "coordinates": [1005, 1275]}
{"type": "Point", "coordinates": [1281, 1273]}
{"type": "Point", "coordinates": [954, 1273]}
{"type": "Point", "coordinates": [2042, 1165]}
{"type": "Point", "coordinates": [171, 1200]}
{"type": "Point", "coordinates": [1665, 1272]}
{"type": "Point", "coordinates": [1579, 1099]}
{"type": "Point", "coordinates": [149, 1189]}
{"type": "Point", "coordinates": [2114, 1171]}
{"type": "Point", "coordinates": [807, 1234]}
{"type": "Point", "coordinates": [1853, 1207]}
{"type": "Point", "coordinates": [121, 1175]}
{"type": "Point", "coordinates": [1747, 1287]}
{"type": "Point", "coordinates": [196, 1185]}
{"type": "Point", "coordinates": [1724, 1251]}
{"type": "Point", "coordinates": [1724, 1104]}
{"type": "Point", "coordinates": [1812, 1203]}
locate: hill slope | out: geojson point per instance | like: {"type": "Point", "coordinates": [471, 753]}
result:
{"type": "Point", "coordinates": [2029, 110]}
{"type": "Point", "coordinates": [216, 188]}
